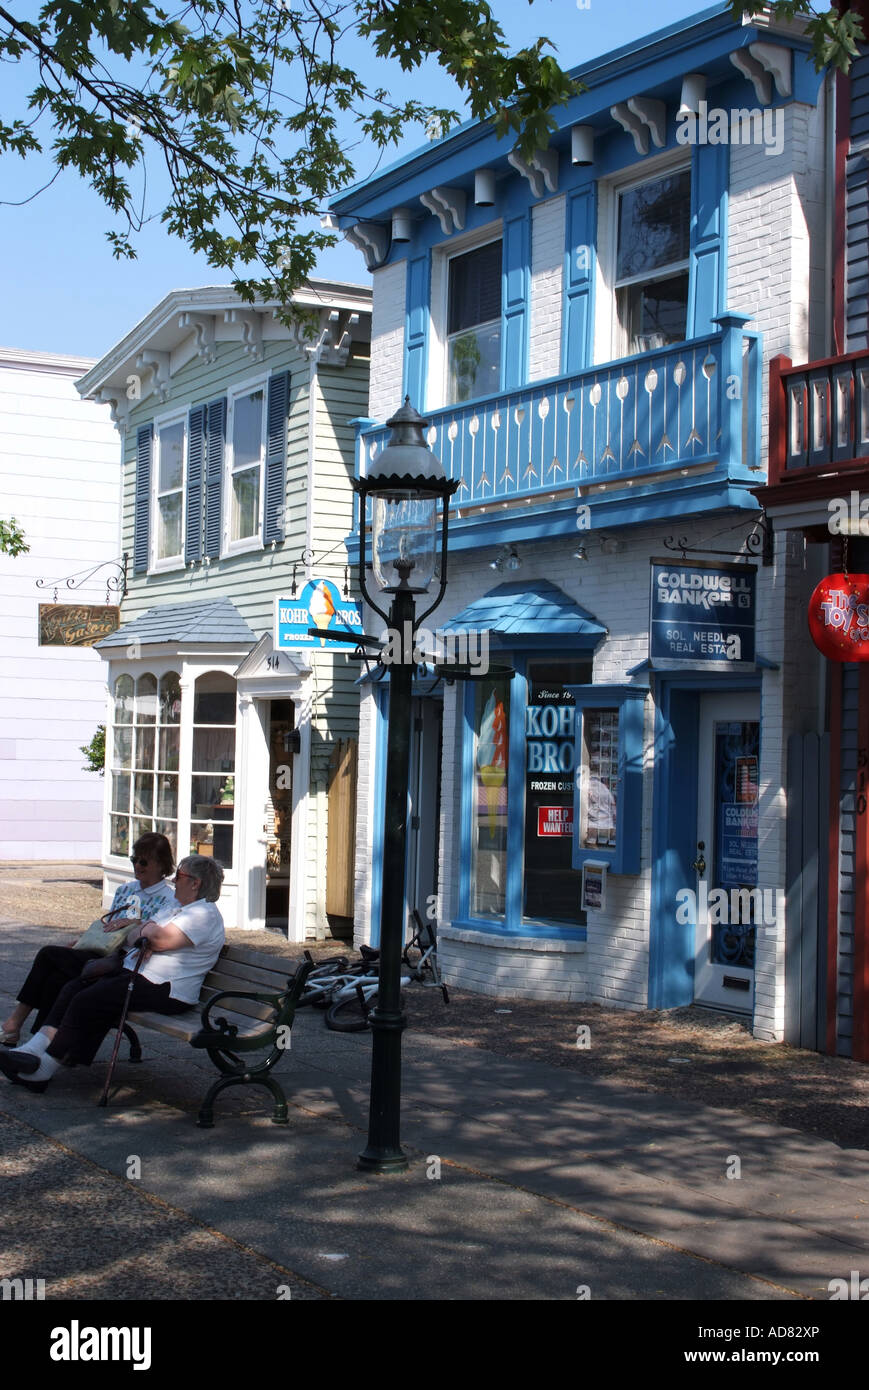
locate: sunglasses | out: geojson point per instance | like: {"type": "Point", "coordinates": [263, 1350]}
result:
{"type": "Point", "coordinates": [192, 877]}
{"type": "Point", "coordinates": [140, 859]}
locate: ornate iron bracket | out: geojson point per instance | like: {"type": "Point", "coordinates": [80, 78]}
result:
{"type": "Point", "coordinates": [307, 560]}
{"type": "Point", "coordinates": [115, 584]}
{"type": "Point", "coordinates": [759, 541]}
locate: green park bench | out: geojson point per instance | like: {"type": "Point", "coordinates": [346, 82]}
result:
{"type": "Point", "coordinates": [245, 1041]}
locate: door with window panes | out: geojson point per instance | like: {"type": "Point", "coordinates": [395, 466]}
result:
{"type": "Point", "coordinates": [212, 788]}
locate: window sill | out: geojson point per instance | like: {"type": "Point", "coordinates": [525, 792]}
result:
{"type": "Point", "coordinates": [173, 566]}
{"type": "Point", "coordinates": [246, 547]}
{"type": "Point", "coordinates": [524, 938]}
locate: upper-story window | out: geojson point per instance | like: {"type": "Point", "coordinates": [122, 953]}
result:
{"type": "Point", "coordinates": [245, 461]}
{"type": "Point", "coordinates": [170, 440]}
{"type": "Point", "coordinates": [652, 261]}
{"type": "Point", "coordinates": [474, 323]}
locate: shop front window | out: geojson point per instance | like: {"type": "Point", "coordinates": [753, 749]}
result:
{"type": "Point", "coordinates": [551, 886]}
{"type": "Point", "coordinates": [489, 814]}
{"type": "Point", "coordinates": [144, 760]}
{"type": "Point", "coordinates": [212, 792]}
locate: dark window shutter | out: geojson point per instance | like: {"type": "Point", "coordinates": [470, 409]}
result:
{"type": "Point", "coordinates": [195, 454]}
{"type": "Point", "coordinates": [215, 435]}
{"type": "Point", "coordinates": [144, 443]}
{"type": "Point", "coordinates": [276, 458]}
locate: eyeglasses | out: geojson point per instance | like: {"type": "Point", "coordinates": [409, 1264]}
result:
{"type": "Point", "coordinates": [140, 859]}
{"type": "Point", "coordinates": [192, 877]}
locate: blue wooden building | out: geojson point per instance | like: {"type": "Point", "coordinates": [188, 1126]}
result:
{"type": "Point", "coordinates": [587, 333]}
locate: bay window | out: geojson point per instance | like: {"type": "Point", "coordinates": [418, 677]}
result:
{"type": "Point", "coordinates": [143, 759]}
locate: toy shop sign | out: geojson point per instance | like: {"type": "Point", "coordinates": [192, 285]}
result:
{"type": "Point", "coordinates": [839, 617]}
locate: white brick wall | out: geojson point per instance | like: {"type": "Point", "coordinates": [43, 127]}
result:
{"type": "Point", "coordinates": [547, 267]}
{"type": "Point", "coordinates": [387, 340]}
{"type": "Point", "coordinates": [776, 239]}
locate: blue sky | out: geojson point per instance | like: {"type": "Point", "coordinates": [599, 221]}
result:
{"type": "Point", "coordinates": [64, 291]}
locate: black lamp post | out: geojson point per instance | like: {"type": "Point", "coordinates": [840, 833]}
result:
{"type": "Point", "coordinates": [405, 485]}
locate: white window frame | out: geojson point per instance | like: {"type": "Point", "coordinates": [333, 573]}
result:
{"type": "Point", "coordinates": [610, 339]}
{"type": "Point", "coordinates": [168, 562]}
{"type": "Point", "coordinates": [254, 542]}
{"type": "Point", "coordinates": [438, 358]}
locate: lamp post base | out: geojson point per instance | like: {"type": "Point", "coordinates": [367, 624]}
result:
{"type": "Point", "coordinates": [372, 1161]}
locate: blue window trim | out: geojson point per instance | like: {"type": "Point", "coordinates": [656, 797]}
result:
{"type": "Point", "coordinates": [512, 925]}
{"type": "Point", "coordinates": [674, 827]}
{"type": "Point", "coordinates": [629, 700]}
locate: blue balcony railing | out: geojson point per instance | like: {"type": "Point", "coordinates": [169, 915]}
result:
{"type": "Point", "coordinates": [690, 403]}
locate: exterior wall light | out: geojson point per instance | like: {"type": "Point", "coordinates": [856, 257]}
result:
{"type": "Point", "coordinates": [484, 188]}
{"type": "Point", "coordinates": [582, 144]}
{"type": "Point", "coordinates": [401, 225]}
{"type": "Point", "coordinates": [693, 92]}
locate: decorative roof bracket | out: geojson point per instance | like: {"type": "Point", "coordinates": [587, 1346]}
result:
{"type": "Point", "coordinates": [203, 324]}
{"type": "Point", "coordinates": [541, 170]}
{"type": "Point", "coordinates": [760, 63]}
{"type": "Point", "coordinates": [639, 116]}
{"type": "Point", "coordinates": [372, 240]}
{"type": "Point", "coordinates": [448, 206]}
{"type": "Point", "coordinates": [251, 330]}
{"type": "Point", "coordinates": [159, 364]}
{"type": "Point", "coordinates": [333, 345]}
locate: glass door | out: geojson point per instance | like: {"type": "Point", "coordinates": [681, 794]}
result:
{"type": "Point", "coordinates": [726, 862]}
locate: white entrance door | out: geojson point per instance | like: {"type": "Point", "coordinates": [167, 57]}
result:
{"type": "Point", "coordinates": [726, 860]}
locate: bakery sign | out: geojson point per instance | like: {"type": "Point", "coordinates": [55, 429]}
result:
{"type": "Point", "coordinates": [76, 624]}
{"type": "Point", "coordinates": [839, 617]}
{"type": "Point", "coordinates": [319, 606]}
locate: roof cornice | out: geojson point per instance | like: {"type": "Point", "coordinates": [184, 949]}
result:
{"type": "Point", "coordinates": [162, 330]}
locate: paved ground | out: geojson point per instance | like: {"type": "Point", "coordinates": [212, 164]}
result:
{"type": "Point", "coordinates": [528, 1181]}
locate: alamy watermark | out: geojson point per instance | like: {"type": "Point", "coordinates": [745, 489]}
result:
{"type": "Point", "coordinates": [712, 125]}
{"type": "Point", "coordinates": [731, 907]}
{"type": "Point", "coordinates": [418, 647]}
{"type": "Point", "coordinates": [849, 516]}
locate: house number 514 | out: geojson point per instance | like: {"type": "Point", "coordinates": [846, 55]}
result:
{"type": "Point", "coordinates": [273, 663]}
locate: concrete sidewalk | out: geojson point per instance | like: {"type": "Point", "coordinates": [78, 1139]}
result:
{"type": "Point", "coordinates": [548, 1183]}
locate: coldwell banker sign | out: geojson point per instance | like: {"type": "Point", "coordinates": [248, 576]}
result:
{"type": "Point", "coordinates": [319, 605]}
{"type": "Point", "coordinates": [702, 614]}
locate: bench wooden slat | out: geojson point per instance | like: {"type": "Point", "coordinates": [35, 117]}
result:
{"type": "Point", "coordinates": [279, 964]}
{"type": "Point", "coordinates": [272, 981]}
{"type": "Point", "coordinates": [186, 1026]}
{"type": "Point", "coordinates": [215, 983]}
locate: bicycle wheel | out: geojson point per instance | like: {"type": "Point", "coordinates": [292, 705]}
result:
{"type": "Point", "coordinates": [318, 988]}
{"type": "Point", "coordinates": [350, 1014]}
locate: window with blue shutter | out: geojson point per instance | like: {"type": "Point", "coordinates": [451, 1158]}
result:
{"type": "Point", "coordinates": [215, 435]}
{"type": "Point", "coordinates": [142, 517]}
{"type": "Point", "coordinates": [195, 458]}
{"type": "Point", "coordinates": [276, 458]}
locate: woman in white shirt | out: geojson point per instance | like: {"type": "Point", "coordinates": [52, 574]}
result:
{"type": "Point", "coordinates": [149, 895]}
{"type": "Point", "coordinates": [179, 955]}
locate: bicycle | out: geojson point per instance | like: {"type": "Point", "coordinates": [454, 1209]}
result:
{"type": "Point", "coordinates": [425, 970]}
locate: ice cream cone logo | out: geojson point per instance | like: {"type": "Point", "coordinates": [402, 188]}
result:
{"type": "Point", "coordinates": [492, 756]}
{"type": "Point", "coordinates": [321, 608]}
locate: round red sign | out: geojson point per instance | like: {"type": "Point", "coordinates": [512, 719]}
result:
{"type": "Point", "coordinates": [839, 617]}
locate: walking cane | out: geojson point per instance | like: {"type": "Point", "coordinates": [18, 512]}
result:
{"type": "Point", "coordinates": [143, 943]}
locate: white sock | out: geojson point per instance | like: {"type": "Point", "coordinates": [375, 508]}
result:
{"type": "Point", "coordinates": [46, 1069]}
{"type": "Point", "coordinates": [35, 1045]}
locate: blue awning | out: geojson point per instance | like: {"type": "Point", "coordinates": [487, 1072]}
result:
{"type": "Point", "coordinates": [529, 612]}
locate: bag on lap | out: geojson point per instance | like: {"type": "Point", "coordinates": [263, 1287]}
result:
{"type": "Point", "coordinates": [103, 942]}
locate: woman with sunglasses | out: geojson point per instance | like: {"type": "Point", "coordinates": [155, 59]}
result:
{"type": "Point", "coordinates": [177, 956]}
{"type": "Point", "coordinates": [148, 895]}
